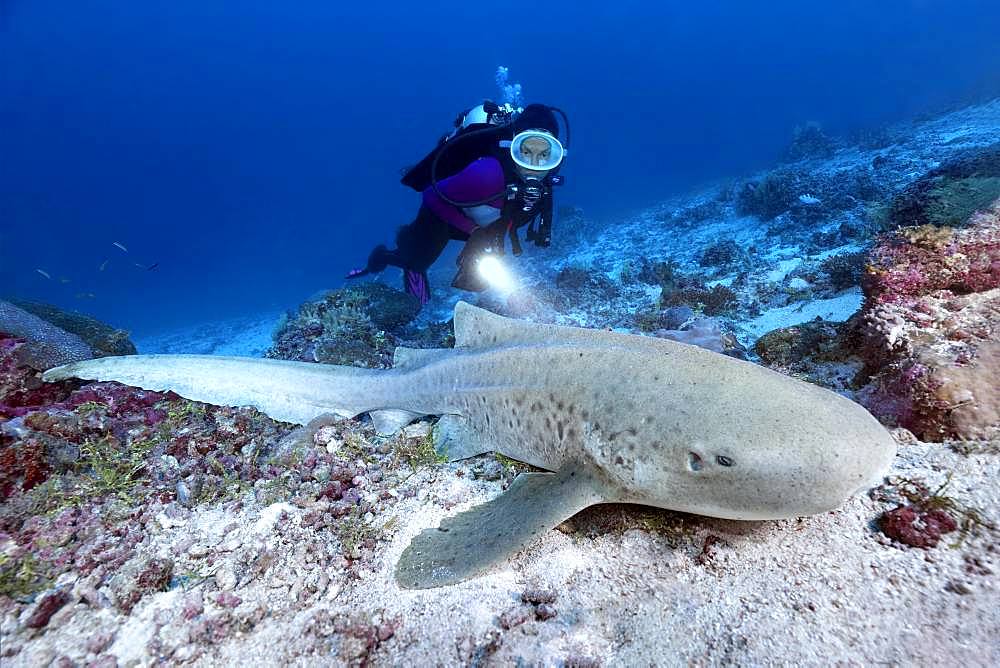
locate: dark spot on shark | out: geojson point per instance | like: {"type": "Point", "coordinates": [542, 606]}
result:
{"type": "Point", "coordinates": [631, 431]}
{"type": "Point", "coordinates": [619, 461]}
{"type": "Point", "coordinates": [560, 405]}
{"type": "Point", "coordinates": [656, 445]}
{"type": "Point", "coordinates": [559, 429]}
{"type": "Point", "coordinates": [571, 434]}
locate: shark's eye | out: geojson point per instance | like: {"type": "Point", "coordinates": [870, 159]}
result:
{"type": "Point", "coordinates": [694, 461]}
{"type": "Point", "coordinates": [723, 460]}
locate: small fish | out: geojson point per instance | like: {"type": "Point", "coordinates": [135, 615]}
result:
{"type": "Point", "coordinates": [63, 280]}
{"type": "Point", "coordinates": [153, 266]}
{"type": "Point", "coordinates": [115, 243]}
{"type": "Point", "coordinates": [139, 264]}
{"type": "Point", "coordinates": [44, 273]}
{"type": "Point", "coordinates": [103, 265]}
{"type": "Point", "coordinates": [85, 295]}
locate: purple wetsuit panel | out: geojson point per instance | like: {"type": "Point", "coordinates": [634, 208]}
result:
{"type": "Point", "coordinates": [479, 180]}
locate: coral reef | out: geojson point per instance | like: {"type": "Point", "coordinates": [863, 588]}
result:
{"type": "Point", "coordinates": [21, 388]}
{"type": "Point", "coordinates": [819, 351]}
{"type": "Point", "coordinates": [103, 339]}
{"type": "Point", "coordinates": [769, 197]}
{"type": "Point", "coordinates": [950, 193]}
{"type": "Point", "coordinates": [360, 326]}
{"type": "Point", "coordinates": [47, 345]}
{"type": "Point", "coordinates": [930, 332]}
{"type": "Point", "coordinates": [584, 283]}
{"type": "Point", "coordinates": [845, 269]}
{"type": "Point", "coordinates": [809, 141]}
{"type": "Point", "coordinates": [723, 254]}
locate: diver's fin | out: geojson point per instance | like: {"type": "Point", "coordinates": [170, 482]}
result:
{"type": "Point", "coordinates": [454, 439]}
{"type": "Point", "coordinates": [409, 358]}
{"type": "Point", "coordinates": [390, 420]}
{"type": "Point", "coordinates": [468, 543]}
{"type": "Point", "coordinates": [289, 391]}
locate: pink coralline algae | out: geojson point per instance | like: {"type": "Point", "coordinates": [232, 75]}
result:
{"type": "Point", "coordinates": [21, 389]}
{"type": "Point", "coordinates": [916, 526]}
{"type": "Point", "coordinates": [48, 606]}
{"type": "Point", "coordinates": [123, 401]}
{"type": "Point", "coordinates": [930, 329]}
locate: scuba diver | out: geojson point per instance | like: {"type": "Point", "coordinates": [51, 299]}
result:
{"type": "Point", "coordinates": [491, 176]}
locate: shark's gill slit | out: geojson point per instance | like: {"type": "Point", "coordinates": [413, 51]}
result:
{"type": "Point", "coordinates": [694, 461]}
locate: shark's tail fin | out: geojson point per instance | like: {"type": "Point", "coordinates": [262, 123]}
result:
{"type": "Point", "coordinates": [288, 391]}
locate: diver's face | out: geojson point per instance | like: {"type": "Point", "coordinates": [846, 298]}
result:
{"type": "Point", "coordinates": [536, 151]}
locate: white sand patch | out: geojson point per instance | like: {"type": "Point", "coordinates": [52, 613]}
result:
{"type": "Point", "coordinates": [246, 336]}
{"type": "Point", "coordinates": [836, 309]}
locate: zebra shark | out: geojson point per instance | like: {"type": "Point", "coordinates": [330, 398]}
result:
{"type": "Point", "coordinates": [609, 417]}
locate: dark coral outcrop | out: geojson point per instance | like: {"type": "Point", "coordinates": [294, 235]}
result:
{"type": "Point", "coordinates": [949, 194]}
{"type": "Point", "coordinates": [357, 326]}
{"type": "Point", "coordinates": [102, 338]}
{"type": "Point", "coordinates": [46, 345]}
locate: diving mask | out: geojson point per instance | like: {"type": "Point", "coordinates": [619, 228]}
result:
{"type": "Point", "coordinates": [536, 150]}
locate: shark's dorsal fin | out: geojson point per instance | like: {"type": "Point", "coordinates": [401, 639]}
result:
{"type": "Point", "coordinates": [479, 328]}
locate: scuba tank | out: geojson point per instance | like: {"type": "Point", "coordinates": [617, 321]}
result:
{"type": "Point", "coordinates": [456, 150]}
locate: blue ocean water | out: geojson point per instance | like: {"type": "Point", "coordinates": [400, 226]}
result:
{"type": "Point", "coordinates": [251, 150]}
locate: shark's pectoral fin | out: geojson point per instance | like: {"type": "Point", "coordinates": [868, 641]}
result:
{"type": "Point", "coordinates": [454, 439]}
{"type": "Point", "coordinates": [470, 542]}
{"type": "Point", "coordinates": [391, 420]}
